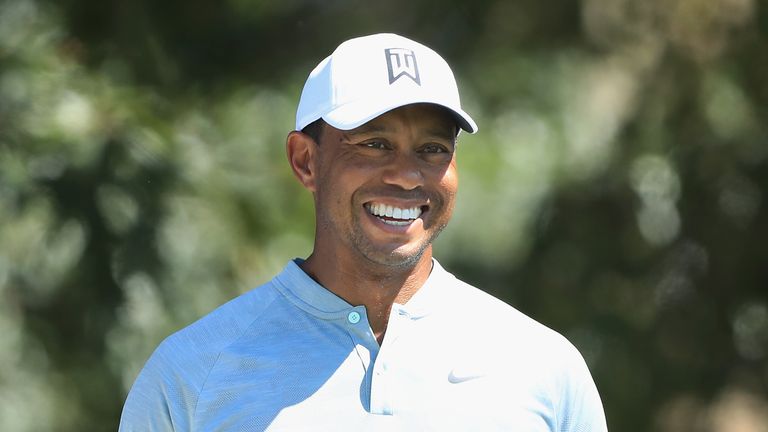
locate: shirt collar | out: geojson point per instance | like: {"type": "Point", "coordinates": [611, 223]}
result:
{"type": "Point", "coordinates": [315, 299]}
{"type": "Point", "coordinates": [430, 296]}
{"type": "Point", "coordinates": [309, 295]}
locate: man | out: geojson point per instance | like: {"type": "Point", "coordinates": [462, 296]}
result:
{"type": "Point", "coordinates": [369, 332]}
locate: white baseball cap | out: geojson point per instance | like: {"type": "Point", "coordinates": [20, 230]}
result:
{"type": "Point", "coordinates": [370, 75]}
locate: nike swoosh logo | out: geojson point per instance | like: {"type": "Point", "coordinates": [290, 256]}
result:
{"type": "Point", "coordinates": [455, 377]}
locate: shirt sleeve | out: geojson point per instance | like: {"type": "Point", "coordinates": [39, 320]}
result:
{"type": "Point", "coordinates": [163, 397]}
{"type": "Point", "coordinates": [580, 408]}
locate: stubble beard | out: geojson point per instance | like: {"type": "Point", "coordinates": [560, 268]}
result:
{"type": "Point", "coordinates": [357, 240]}
{"type": "Point", "coordinates": [398, 258]}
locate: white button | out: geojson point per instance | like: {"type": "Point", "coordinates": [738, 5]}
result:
{"type": "Point", "coordinates": [353, 317]}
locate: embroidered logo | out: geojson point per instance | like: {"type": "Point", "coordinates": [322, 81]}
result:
{"type": "Point", "coordinates": [401, 61]}
{"type": "Point", "coordinates": [459, 375]}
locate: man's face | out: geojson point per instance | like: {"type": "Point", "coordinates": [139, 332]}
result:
{"type": "Point", "coordinates": [386, 189]}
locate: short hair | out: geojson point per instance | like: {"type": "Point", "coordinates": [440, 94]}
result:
{"type": "Point", "coordinates": [315, 129]}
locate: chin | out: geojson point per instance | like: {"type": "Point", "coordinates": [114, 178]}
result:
{"type": "Point", "coordinates": [389, 253]}
{"type": "Point", "coordinates": [395, 258]}
{"type": "Point", "coordinates": [401, 261]}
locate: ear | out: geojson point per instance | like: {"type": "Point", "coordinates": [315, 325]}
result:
{"type": "Point", "coordinates": [301, 150]}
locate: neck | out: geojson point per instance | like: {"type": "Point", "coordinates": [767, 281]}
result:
{"type": "Point", "coordinates": [375, 286]}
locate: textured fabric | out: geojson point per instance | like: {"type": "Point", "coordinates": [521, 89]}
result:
{"type": "Point", "coordinates": [290, 355]}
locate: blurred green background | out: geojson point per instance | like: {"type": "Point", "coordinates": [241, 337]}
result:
{"type": "Point", "coordinates": [616, 190]}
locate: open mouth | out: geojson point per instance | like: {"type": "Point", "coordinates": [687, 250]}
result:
{"type": "Point", "coordinates": [396, 216]}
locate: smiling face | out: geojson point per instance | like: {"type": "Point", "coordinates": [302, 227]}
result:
{"type": "Point", "coordinates": [385, 190]}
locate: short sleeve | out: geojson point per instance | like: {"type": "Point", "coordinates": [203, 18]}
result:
{"type": "Point", "coordinates": [164, 396]}
{"type": "Point", "coordinates": [580, 408]}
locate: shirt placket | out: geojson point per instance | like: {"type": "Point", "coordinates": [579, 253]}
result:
{"type": "Point", "coordinates": [384, 378]}
{"type": "Point", "coordinates": [365, 345]}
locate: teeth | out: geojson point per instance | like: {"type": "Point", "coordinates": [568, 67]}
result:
{"type": "Point", "coordinates": [405, 214]}
{"type": "Point", "coordinates": [397, 223]}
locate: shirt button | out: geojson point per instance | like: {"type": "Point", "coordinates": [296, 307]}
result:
{"type": "Point", "coordinates": [353, 317]}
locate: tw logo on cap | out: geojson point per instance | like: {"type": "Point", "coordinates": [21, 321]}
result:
{"type": "Point", "coordinates": [401, 61]}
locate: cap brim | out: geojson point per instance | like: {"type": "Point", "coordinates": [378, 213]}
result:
{"type": "Point", "coordinates": [355, 114]}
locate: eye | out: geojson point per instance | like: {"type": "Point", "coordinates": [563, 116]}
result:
{"type": "Point", "coordinates": [435, 148]}
{"type": "Point", "coordinates": [379, 145]}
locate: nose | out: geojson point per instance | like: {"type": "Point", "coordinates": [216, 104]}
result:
{"type": "Point", "coordinates": [404, 171]}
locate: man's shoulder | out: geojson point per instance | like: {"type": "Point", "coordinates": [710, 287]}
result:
{"type": "Point", "coordinates": [175, 373]}
{"type": "Point", "coordinates": [519, 344]}
{"type": "Point", "coordinates": [221, 327]}
{"type": "Point", "coordinates": [523, 359]}
{"type": "Point", "coordinates": [191, 352]}
{"type": "Point", "coordinates": [483, 314]}
{"type": "Point", "coordinates": [473, 301]}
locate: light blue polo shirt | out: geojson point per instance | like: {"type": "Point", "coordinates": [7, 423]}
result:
{"type": "Point", "coordinates": [292, 356]}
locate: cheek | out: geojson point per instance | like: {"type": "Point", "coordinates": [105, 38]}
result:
{"type": "Point", "coordinates": [449, 183]}
{"type": "Point", "coordinates": [336, 187]}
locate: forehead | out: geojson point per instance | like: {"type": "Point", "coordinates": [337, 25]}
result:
{"type": "Point", "coordinates": [430, 118]}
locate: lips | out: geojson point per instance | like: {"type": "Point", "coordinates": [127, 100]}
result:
{"type": "Point", "coordinates": [393, 215]}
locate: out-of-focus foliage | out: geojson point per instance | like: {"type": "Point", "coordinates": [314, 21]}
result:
{"type": "Point", "coordinates": [616, 190]}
